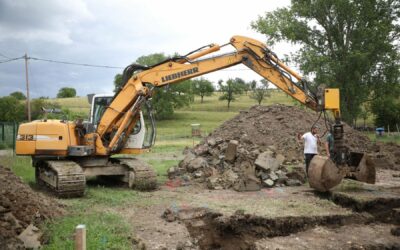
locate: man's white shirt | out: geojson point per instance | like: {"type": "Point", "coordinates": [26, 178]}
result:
{"type": "Point", "coordinates": [310, 143]}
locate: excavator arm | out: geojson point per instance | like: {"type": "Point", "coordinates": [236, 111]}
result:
{"type": "Point", "coordinates": [116, 122]}
{"type": "Point", "coordinates": [64, 153]}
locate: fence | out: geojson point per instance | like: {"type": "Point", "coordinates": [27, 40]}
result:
{"type": "Point", "coordinates": [8, 134]}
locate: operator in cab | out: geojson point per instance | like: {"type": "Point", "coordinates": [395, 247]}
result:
{"type": "Point", "coordinates": [311, 141]}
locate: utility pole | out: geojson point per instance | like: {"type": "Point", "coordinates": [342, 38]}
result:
{"type": "Point", "coordinates": [28, 102]}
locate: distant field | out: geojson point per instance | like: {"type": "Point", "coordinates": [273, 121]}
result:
{"type": "Point", "coordinates": [76, 104]}
{"type": "Point", "coordinates": [209, 114]}
{"type": "Point", "coordinates": [176, 131]}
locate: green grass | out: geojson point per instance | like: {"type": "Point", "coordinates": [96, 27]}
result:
{"type": "Point", "coordinates": [213, 104]}
{"type": "Point", "coordinates": [21, 166]}
{"type": "Point", "coordinates": [394, 138]}
{"type": "Point", "coordinates": [102, 196]}
{"type": "Point", "coordinates": [75, 104]}
{"type": "Point", "coordinates": [161, 167]}
{"type": "Point", "coordinates": [103, 231]}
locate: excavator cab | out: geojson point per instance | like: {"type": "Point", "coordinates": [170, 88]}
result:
{"type": "Point", "coordinates": [144, 133]}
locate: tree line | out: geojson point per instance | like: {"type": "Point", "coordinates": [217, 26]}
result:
{"type": "Point", "coordinates": [165, 101]}
{"type": "Point", "coordinates": [352, 45]}
{"type": "Point", "coordinates": [347, 44]}
{"type": "Point", "coordinates": [13, 106]}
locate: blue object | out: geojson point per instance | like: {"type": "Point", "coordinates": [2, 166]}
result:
{"type": "Point", "coordinates": [380, 131]}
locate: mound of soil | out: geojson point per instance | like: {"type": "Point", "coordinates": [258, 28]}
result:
{"type": "Point", "coordinates": [20, 206]}
{"type": "Point", "coordinates": [278, 125]}
{"type": "Point", "coordinates": [272, 131]}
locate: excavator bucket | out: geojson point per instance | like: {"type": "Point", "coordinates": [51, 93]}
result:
{"type": "Point", "coordinates": [323, 174]}
{"type": "Point", "coordinates": [362, 168]}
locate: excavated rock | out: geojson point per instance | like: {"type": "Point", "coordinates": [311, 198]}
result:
{"type": "Point", "coordinates": [260, 144]}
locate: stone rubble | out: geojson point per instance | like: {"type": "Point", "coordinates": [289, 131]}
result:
{"type": "Point", "coordinates": [258, 148]}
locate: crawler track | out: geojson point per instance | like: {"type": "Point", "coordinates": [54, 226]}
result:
{"type": "Point", "coordinates": [65, 178]}
{"type": "Point", "coordinates": [141, 175]}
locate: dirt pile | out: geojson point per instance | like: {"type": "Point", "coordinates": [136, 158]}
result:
{"type": "Point", "coordinates": [20, 207]}
{"type": "Point", "coordinates": [259, 147]}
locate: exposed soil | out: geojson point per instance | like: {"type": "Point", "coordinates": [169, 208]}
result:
{"type": "Point", "coordinates": [353, 216]}
{"type": "Point", "coordinates": [377, 202]}
{"type": "Point", "coordinates": [259, 148]}
{"type": "Point", "coordinates": [240, 231]}
{"type": "Point", "coordinates": [276, 127]}
{"type": "Point", "coordinates": [20, 206]}
{"type": "Point", "coordinates": [370, 236]}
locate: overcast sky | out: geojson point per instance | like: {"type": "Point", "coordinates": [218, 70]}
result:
{"type": "Point", "coordinates": [114, 33]}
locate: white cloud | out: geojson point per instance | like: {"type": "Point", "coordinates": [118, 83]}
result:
{"type": "Point", "coordinates": [115, 33]}
{"type": "Point", "coordinates": [41, 20]}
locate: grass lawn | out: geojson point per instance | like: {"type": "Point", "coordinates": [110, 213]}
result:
{"type": "Point", "coordinates": [106, 229]}
{"type": "Point", "coordinates": [393, 137]}
{"type": "Point", "coordinates": [76, 104]}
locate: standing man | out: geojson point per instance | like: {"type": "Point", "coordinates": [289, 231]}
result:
{"type": "Point", "coordinates": [329, 146]}
{"type": "Point", "coordinates": [311, 140]}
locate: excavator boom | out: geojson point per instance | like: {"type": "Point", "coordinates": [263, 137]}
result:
{"type": "Point", "coordinates": [252, 53]}
{"type": "Point", "coordinates": [85, 149]}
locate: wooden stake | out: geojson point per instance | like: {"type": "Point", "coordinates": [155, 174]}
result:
{"type": "Point", "coordinates": [80, 237]}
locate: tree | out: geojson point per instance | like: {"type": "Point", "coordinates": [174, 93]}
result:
{"type": "Point", "coordinates": [387, 112]}
{"type": "Point", "coordinates": [38, 104]}
{"type": "Point", "coordinates": [66, 92]}
{"type": "Point", "coordinates": [117, 82]}
{"type": "Point", "coordinates": [184, 89]}
{"type": "Point", "coordinates": [203, 87]}
{"type": "Point", "coordinates": [259, 92]}
{"type": "Point", "coordinates": [18, 95]}
{"type": "Point", "coordinates": [11, 109]}
{"type": "Point", "coordinates": [165, 99]}
{"type": "Point", "coordinates": [253, 84]}
{"type": "Point", "coordinates": [347, 44]}
{"type": "Point", "coordinates": [230, 90]}
{"type": "Point", "coordinates": [364, 116]}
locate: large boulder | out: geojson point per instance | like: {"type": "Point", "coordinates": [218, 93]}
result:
{"type": "Point", "coordinates": [197, 163]}
{"type": "Point", "coordinates": [230, 153]}
{"type": "Point", "coordinates": [267, 161]}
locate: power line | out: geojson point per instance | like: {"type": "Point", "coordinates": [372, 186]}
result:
{"type": "Point", "coordinates": [12, 59]}
{"type": "Point", "coordinates": [83, 64]}
{"type": "Point", "coordinates": [77, 64]}
{"type": "Point", "coordinates": [1, 54]}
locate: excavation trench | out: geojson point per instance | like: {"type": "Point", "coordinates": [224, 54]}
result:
{"type": "Point", "coordinates": [212, 230]}
{"type": "Point", "coordinates": [383, 205]}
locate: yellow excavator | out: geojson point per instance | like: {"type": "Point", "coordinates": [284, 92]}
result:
{"type": "Point", "coordinates": [64, 152]}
